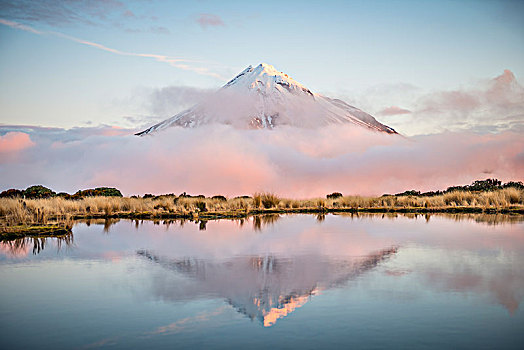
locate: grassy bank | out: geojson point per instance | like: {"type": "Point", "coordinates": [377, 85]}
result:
{"type": "Point", "coordinates": [45, 216]}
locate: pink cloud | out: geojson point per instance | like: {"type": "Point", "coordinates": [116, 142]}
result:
{"type": "Point", "coordinates": [451, 100]}
{"type": "Point", "coordinates": [209, 20]}
{"type": "Point", "coordinates": [491, 105]}
{"type": "Point", "coordinates": [14, 250]}
{"type": "Point", "coordinates": [394, 110]}
{"type": "Point", "coordinates": [507, 77]}
{"type": "Point", "coordinates": [114, 131]}
{"type": "Point", "coordinates": [291, 162]}
{"type": "Point", "coordinates": [15, 141]}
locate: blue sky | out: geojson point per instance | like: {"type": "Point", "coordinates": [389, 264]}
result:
{"type": "Point", "coordinates": [341, 48]}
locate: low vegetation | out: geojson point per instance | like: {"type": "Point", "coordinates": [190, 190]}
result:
{"type": "Point", "coordinates": [38, 210]}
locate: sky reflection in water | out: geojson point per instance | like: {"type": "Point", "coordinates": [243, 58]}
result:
{"type": "Point", "coordinates": [290, 274]}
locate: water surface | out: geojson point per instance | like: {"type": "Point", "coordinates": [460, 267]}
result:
{"type": "Point", "coordinates": [295, 281]}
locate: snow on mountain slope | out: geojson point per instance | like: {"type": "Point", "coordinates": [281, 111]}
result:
{"type": "Point", "coordinates": [262, 97]}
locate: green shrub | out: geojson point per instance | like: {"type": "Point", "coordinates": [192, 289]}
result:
{"type": "Point", "coordinates": [334, 195]}
{"type": "Point", "coordinates": [64, 195]}
{"type": "Point", "coordinates": [38, 191]}
{"type": "Point", "coordinates": [99, 191]}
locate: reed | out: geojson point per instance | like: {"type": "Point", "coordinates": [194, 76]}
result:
{"type": "Point", "coordinates": [15, 211]}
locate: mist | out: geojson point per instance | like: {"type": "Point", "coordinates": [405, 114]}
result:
{"type": "Point", "coordinates": [289, 161]}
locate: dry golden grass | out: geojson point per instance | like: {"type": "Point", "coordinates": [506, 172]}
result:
{"type": "Point", "coordinates": [42, 211]}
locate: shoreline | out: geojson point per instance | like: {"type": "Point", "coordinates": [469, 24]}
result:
{"type": "Point", "coordinates": [241, 214]}
{"type": "Point", "coordinates": [59, 228]}
{"type": "Point", "coordinates": [37, 231]}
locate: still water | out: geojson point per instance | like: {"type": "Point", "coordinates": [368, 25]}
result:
{"type": "Point", "coordinates": [295, 281]}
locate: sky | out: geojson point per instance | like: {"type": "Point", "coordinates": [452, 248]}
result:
{"type": "Point", "coordinates": [54, 71]}
{"type": "Point", "coordinates": [81, 76]}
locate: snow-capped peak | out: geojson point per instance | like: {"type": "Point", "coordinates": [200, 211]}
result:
{"type": "Point", "coordinates": [265, 78]}
{"type": "Point", "coordinates": [263, 97]}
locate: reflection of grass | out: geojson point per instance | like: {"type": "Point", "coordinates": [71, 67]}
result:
{"type": "Point", "coordinates": [19, 247]}
{"type": "Point", "coordinates": [23, 215]}
{"type": "Point", "coordinates": [18, 231]}
{"type": "Point", "coordinates": [484, 218]}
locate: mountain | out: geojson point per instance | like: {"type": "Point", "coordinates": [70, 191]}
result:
{"type": "Point", "coordinates": [262, 97]}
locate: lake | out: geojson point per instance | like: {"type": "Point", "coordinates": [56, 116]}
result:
{"type": "Point", "coordinates": [290, 281]}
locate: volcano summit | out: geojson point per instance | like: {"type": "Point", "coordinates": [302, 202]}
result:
{"type": "Point", "coordinates": [262, 97]}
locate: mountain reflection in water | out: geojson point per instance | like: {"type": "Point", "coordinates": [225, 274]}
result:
{"type": "Point", "coordinates": [305, 281]}
{"type": "Point", "coordinates": [268, 287]}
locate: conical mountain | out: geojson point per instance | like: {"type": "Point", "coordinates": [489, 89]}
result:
{"type": "Point", "coordinates": [262, 97]}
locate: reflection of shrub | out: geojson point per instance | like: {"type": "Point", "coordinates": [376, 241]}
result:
{"type": "Point", "coordinates": [220, 198]}
{"type": "Point", "coordinates": [38, 191]}
{"type": "Point", "coordinates": [334, 195]}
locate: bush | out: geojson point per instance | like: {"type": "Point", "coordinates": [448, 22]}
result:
{"type": "Point", "coordinates": [431, 193]}
{"type": "Point", "coordinates": [38, 191]}
{"type": "Point", "coordinates": [478, 185]}
{"type": "Point", "coordinates": [99, 191]}
{"type": "Point", "coordinates": [485, 185]}
{"type": "Point", "coordinates": [220, 198]}
{"type": "Point", "coordinates": [512, 184]}
{"type": "Point", "coordinates": [185, 195]}
{"type": "Point", "coordinates": [408, 193]}
{"type": "Point", "coordinates": [64, 195]}
{"type": "Point", "coordinates": [334, 195]}
{"type": "Point", "coordinates": [11, 193]}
